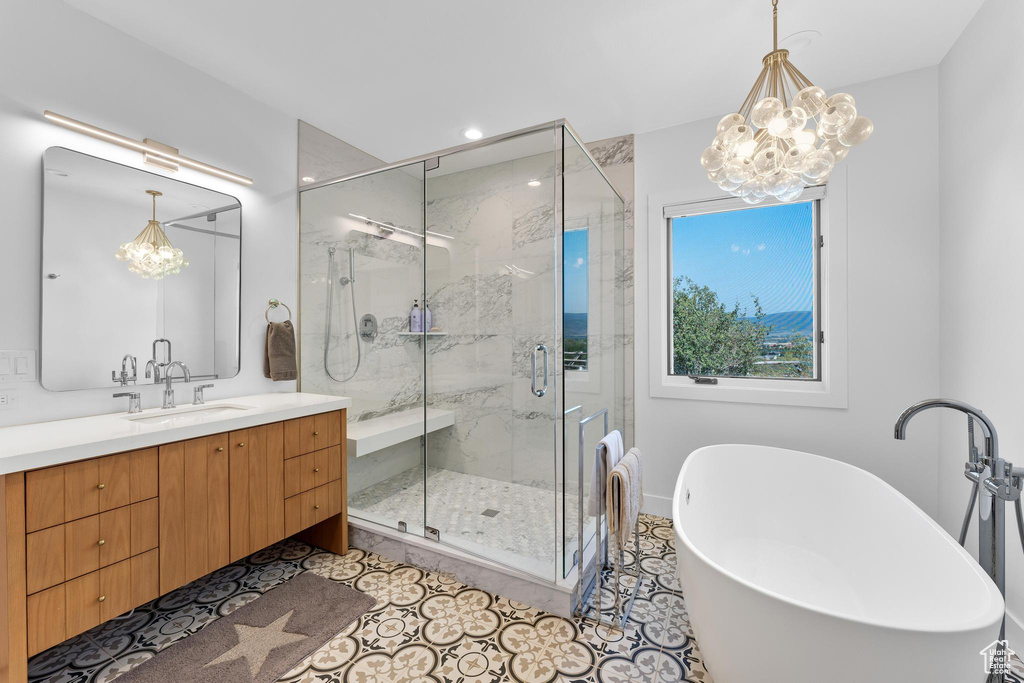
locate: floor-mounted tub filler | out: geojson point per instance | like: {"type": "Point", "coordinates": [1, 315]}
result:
{"type": "Point", "coordinates": [800, 568]}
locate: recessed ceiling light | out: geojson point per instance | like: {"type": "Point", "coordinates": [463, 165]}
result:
{"type": "Point", "coordinates": [308, 179]}
{"type": "Point", "coordinates": [473, 133]}
{"type": "Point", "coordinates": [534, 183]}
{"type": "Point", "coordinates": [801, 40]}
{"type": "Point", "coordinates": [58, 172]}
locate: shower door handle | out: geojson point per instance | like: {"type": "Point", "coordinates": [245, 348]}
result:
{"type": "Point", "coordinates": [533, 386]}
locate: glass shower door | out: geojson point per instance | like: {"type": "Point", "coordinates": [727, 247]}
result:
{"type": "Point", "coordinates": [491, 355]}
{"type": "Point", "coordinates": [362, 255]}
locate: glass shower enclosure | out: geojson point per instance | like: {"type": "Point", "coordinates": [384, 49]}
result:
{"type": "Point", "coordinates": [465, 429]}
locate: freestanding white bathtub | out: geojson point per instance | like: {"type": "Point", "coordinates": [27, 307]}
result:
{"type": "Point", "coordinates": [803, 569]}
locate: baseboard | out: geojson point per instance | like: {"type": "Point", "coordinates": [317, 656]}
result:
{"type": "Point", "coordinates": [657, 505]}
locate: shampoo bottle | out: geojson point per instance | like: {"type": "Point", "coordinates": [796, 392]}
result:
{"type": "Point", "coordinates": [427, 318]}
{"type": "Point", "coordinates": [415, 317]}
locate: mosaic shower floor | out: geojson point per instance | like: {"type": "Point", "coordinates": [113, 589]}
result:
{"type": "Point", "coordinates": [512, 518]}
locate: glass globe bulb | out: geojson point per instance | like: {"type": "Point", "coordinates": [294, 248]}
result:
{"type": "Point", "coordinates": [728, 185]}
{"type": "Point", "coordinates": [121, 254]}
{"type": "Point", "coordinates": [805, 137]}
{"type": "Point", "coordinates": [715, 176]}
{"type": "Point", "coordinates": [793, 192]}
{"type": "Point", "coordinates": [839, 97]}
{"type": "Point", "coordinates": [796, 156]}
{"type": "Point", "coordinates": [739, 169]}
{"type": "Point", "coordinates": [811, 99]}
{"type": "Point", "coordinates": [857, 131]}
{"type": "Point", "coordinates": [836, 117]}
{"type": "Point", "coordinates": [768, 161]}
{"type": "Point", "coordinates": [713, 158]}
{"type": "Point", "coordinates": [766, 110]}
{"type": "Point", "coordinates": [780, 183]}
{"type": "Point", "coordinates": [737, 135]}
{"type": "Point", "coordinates": [838, 149]}
{"type": "Point", "coordinates": [747, 188]}
{"type": "Point", "coordinates": [753, 199]}
{"type": "Point", "coordinates": [746, 149]}
{"type": "Point", "coordinates": [818, 164]}
{"type": "Point", "coordinates": [824, 134]}
{"type": "Point", "coordinates": [728, 121]}
{"type": "Point", "coordinates": [788, 122]}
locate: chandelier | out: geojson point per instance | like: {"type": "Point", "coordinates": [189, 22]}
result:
{"type": "Point", "coordinates": [151, 254]}
{"type": "Point", "coordinates": [787, 135]}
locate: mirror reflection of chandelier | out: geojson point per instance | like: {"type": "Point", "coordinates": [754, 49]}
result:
{"type": "Point", "coordinates": [151, 254]}
{"type": "Point", "coordinates": [787, 135]}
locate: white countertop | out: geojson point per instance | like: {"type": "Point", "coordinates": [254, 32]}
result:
{"type": "Point", "coordinates": [41, 444]}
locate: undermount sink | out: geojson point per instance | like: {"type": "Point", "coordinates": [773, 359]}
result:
{"type": "Point", "coordinates": [177, 417]}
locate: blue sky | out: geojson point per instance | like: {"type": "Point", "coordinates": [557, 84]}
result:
{"type": "Point", "coordinates": [574, 253]}
{"type": "Point", "coordinates": [766, 251]}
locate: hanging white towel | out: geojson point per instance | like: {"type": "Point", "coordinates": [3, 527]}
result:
{"type": "Point", "coordinates": [608, 456]}
{"type": "Point", "coordinates": [629, 474]}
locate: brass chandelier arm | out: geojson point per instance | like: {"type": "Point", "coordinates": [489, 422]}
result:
{"type": "Point", "coordinates": [754, 94]}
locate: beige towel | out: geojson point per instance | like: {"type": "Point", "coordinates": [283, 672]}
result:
{"type": "Point", "coordinates": [629, 475]}
{"type": "Point", "coordinates": [279, 352]}
{"type": "Point", "coordinates": [605, 459]}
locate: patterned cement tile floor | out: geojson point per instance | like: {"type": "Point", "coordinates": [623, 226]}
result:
{"type": "Point", "coordinates": [426, 627]}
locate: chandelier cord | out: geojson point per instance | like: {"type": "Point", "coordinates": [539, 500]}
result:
{"type": "Point", "coordinates": [775, 24]}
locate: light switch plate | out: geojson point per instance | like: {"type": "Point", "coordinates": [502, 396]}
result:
{"type": "Point", "coordinates": [8, 399]}
{"type": "Point", "coordinates": [18, 366]}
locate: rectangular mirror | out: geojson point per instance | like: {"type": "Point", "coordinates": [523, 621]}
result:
{"type": "Point", "coordinates": [110, 291]}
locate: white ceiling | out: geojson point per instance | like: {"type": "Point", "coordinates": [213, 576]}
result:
{"type": "Point", "coordinates": [399, 78]}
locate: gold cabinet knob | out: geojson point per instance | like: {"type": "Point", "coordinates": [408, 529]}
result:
{"type": "Point", "coordinates": [102, 598]}
{"type": "Point", "coordinates": [316, 507]}
{"type": "Point", "coordinates": [316, 433]}
{"type": "Point", "coordinates": [220, 449]}
{"type": "Point", "coordinates": [241, 444]}
{"type": "Point", "coordinates": [101, 542]}
{"type": "Point", "coordinates": [316, 469]}
{"type": "Point", "coordinates": [101, 486]}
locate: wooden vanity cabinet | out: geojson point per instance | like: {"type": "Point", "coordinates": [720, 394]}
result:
{"type": "Point", "coordinates": [89, 540]}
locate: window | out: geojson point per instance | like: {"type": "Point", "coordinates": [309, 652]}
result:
{"type": "Point", "coordinates": [748, 304]}
{"type": "Point", "coordinates": [744, 293]}
{"type": "Point", "coordinates": [576, 292]}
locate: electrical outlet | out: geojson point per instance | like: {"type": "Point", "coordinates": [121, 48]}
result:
{"type": "Point", "coordinates": [8, 399]}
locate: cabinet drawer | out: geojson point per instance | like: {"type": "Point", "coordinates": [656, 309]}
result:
{"type": "Point", "coordinates": [312, 507]}
{"type": "Point", "coordinates": [316, 432]}
{"type": "Point", "coordinates": [46, 619]}
{"type": "Point", "coordinates": [68, 492]}
{"type": "Point", "coordinates": [67, 551]}
{"type": "Point", "coordinates": [308, 471]}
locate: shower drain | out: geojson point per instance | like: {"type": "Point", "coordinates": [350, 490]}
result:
{"type": "Point", "coordinates": [489, 513]}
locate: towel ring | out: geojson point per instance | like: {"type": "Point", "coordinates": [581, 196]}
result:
{"type": "Point", "coordinates": [274, 303]}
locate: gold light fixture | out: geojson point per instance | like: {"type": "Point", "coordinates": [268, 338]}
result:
{"type": "Point", "coordinates": [151, 254]}
{"type": "Point", "coordinates": [152, 152]}
{"type": "Point", "coordinates": [766, 150]}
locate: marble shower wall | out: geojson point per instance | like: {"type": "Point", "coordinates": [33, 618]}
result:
{"type": "Point", "coordinates": [615, 156]}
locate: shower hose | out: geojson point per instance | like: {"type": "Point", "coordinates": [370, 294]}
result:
{"type": "Point", "coordinates": [330, 314]}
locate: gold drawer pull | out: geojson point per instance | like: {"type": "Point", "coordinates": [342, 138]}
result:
{"type": "Point", "coordinates": [316, 507]}
{"type": "Point", "coordinates": [241, 444]}
{"type": "Point", "coordinates": [102, 598]}
{"type": "Point", "coordinates": [101, 542]}
{"type": "Point", "coordinates": [316, 469]}
{"type": "Point", "coordinates": [220, 449]}
{"type": "Point", "coordinates": [101, 486]}
{"type": "Point", "coordinates": [316, 433]}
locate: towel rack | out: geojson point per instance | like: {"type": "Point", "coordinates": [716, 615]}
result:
{"type": "Point", "coordinates": [601, 559]}
{"type": "Point", "coordinates": [274, 303]}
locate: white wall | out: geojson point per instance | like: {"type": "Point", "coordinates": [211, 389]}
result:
{"type": "Point", "coordinates": [58, 58]}
{"type": "Point", "coordinates": [981, 81]}
{"type": "Point", "coordinates": [893, 309]}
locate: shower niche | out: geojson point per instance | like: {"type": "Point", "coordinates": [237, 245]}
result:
{"type": "Point", "coordinates": [467, 432]}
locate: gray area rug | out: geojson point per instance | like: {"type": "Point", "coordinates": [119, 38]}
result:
{"type": "Point", "coordinates": [262, 640]}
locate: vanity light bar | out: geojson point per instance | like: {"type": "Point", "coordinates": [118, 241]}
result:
{"type": "Point", "coordinates": [121, 140]}
{"type": "Point", "coordinates": [392, 227]}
